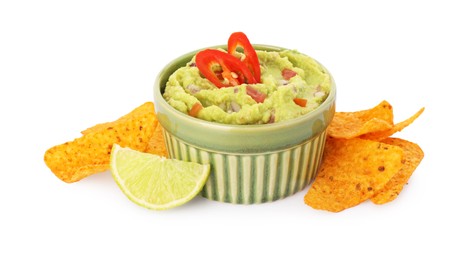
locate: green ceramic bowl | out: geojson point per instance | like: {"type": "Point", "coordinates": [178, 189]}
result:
{"type": "Point", "coordinates": [249, 163]}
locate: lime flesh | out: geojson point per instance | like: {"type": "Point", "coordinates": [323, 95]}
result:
{"type": "Point", "coordinates": [156, 182]}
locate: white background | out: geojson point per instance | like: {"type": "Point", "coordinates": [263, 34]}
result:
{"type": "Point", "coordinates": [67, 66]}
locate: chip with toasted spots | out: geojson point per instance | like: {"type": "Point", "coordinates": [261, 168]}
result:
{"type": "Point", "coordinates": [90, 153]}
{"type": "Point", "coordinates": [353, 171]}
{"type": "Point", "coordinates": [380, 135]}
{"type": "Point", "coordinates": [146, 108]}
{"type": "Point", "coordinates": [345, 179]}
{"type": "Point", "coordinates": [352, 124]}
{"type": "Point", "coordinates": [412, 156]}
{"type": "Point", "coordinates": [156, 143]}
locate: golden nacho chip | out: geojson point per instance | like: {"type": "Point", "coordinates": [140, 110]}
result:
{"type": "Point", "coordinates": [145, 108]}
{"type": "Point", "coordinates": [89, 154]}
{"type": "Point", "coordinates": [156, 143]}
{"type": "Point", "coordinates": [352, 124]}
{"type": "Point", "coordinates": [352, 171]}
{"type": "Point", "coordinates": [412, 156]}
{"type": "Point", "coordinates": [380, 135]}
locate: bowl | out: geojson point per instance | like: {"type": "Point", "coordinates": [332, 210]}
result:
{"type": "Point", "coordinates": [250, 164]}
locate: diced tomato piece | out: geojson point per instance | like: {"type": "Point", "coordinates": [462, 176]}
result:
{"type": "Point", "coordinates": [255, 94]}
{"type": "Point", "coordinates": [195, 109]}
{"type": "Point", "coordinates": [300, 102]}
{"type": "Point", "coordinates": [288, 74]}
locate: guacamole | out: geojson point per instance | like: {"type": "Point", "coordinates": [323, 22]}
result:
{"type": "Point", "coordinates": [292, 83]}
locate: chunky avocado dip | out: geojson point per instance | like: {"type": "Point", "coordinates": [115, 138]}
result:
{"type": "Point", "coordinates": [291, 84]}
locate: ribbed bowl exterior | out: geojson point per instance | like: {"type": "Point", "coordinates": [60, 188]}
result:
{"type": "Point", "coordinates": [251, 178]}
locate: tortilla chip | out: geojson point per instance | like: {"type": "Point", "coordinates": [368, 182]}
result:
{"type": "Point", "coordinates": [156, 143]}
{"type": "Point", "coordinates": [380, 135]}
{"type": "Point", "coordinates": [352, 124]}
{"type": "Point", "coordinates": [145, 108]}
{"type": "Point", "coordinates": [352, 171]}
{"type": "Point", "coordinates": [89, 154]}
{"type": "Point", "coordinates": [412, 156]}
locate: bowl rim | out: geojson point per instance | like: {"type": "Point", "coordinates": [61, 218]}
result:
{"type": "Point", "coordinates": [159, 99]}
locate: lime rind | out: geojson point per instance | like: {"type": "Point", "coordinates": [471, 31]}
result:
{"type": "Point", "coordinates": [155, 182]}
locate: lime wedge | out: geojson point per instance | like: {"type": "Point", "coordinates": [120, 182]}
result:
{"type": "Point", "coordinates": [156, 182]}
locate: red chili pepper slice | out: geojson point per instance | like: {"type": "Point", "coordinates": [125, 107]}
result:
{"type": "Point", "coordinates": [255, 94]}
{"type": "Point", "coordinates": [300, 102]}
{"type": "Point", "coordinates": [233, 72]}
{"type": "Point", "coordinates": [239, 39]}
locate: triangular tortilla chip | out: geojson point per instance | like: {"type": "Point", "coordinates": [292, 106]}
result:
{"type": "Point", "coordinates": [412, 156]}
{"type": "Point", "coordinates": [352, 124]}
{"type": "Point", "coordinates": [352, 171]}
{"type": "Point", "coordinates": [90, 153]}
{"type": "Point", "coordinates": [380, 135]}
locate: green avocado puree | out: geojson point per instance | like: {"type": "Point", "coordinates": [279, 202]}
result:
{"type": "Point", "coordinates": [232, 105]}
